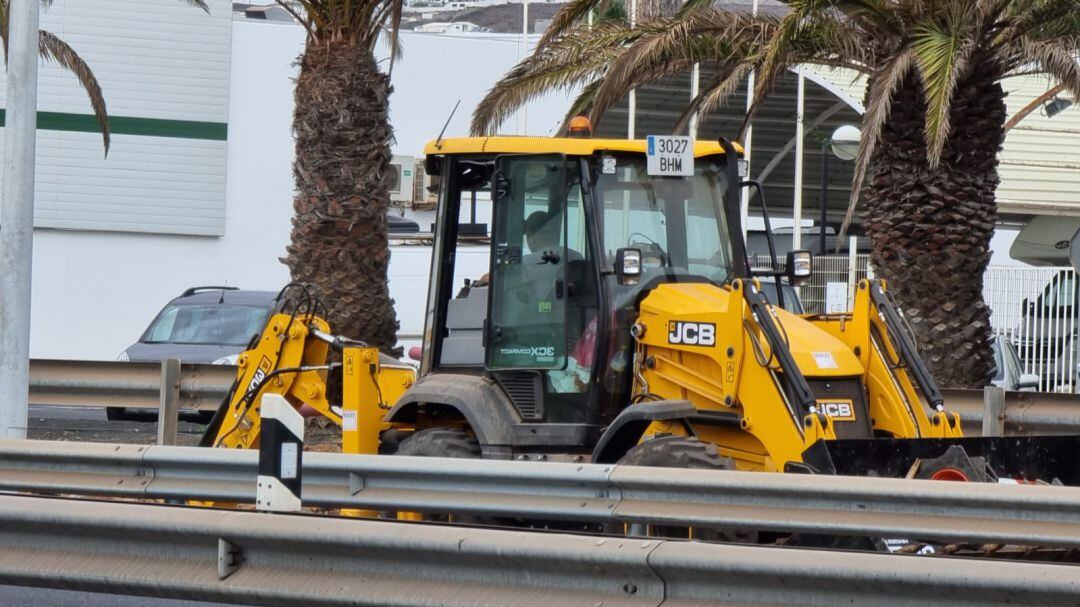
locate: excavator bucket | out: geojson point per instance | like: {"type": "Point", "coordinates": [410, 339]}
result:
{"type": "Point", "coordinates": [1024, 459]}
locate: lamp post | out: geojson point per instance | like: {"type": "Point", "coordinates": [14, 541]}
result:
{"type": "Point", "coordinates": [17, 215]}
{"type": "Point", "coordinates": [844, 144]}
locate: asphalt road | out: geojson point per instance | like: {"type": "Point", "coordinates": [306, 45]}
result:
{"type": "Point", "coordinates": [89, 424]}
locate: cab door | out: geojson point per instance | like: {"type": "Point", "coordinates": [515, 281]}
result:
{"type": "Point", "coordinates": [527, 315]}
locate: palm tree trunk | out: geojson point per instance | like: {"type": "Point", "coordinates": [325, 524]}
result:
{"type": "Point", "coordinates": [342, 171]}
{"type": "Point", "coordinates": [930, 230]}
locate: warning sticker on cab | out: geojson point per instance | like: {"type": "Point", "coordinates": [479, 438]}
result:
{"type": "Point", "coordinates": [825, 360]}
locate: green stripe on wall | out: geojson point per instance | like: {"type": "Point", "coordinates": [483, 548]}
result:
{"type": "Point", "coordinates": [127, 125]}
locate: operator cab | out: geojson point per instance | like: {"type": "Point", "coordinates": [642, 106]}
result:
{"type": "Point", "coordinates": [581, 230]}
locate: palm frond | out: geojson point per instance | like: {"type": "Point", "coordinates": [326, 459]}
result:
{"type": "Point", "coordinates": [1042, 20]}
{"type": "Point", "coordinates": [715, 94]}
{"type": "Point", "coordinates": [565, 19]}
{"type": "Point", "coordinates": [200, 4]}
{"type": "Point", "coordinates": [581, 104]}
{"type": "Point", "coordinates": [883, 86]}
{"type": "Point", "coordinates": [941, 53]}
{"type": "Point", "coordinates": [1057, 60]}
{"type": "Point", "coordinates": [395, 25]}
{"type": "Point", "coordinates": [671, 46]}
{"type": "Point", "coordinates": [52, 48]}
{"type": "Point", "coordinates": [575, 59]}
{"type": "Point", "coordinates": [353, 22]}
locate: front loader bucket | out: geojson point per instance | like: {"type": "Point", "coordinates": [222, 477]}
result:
{"type": "Point", "coordinates": [1022, 458]}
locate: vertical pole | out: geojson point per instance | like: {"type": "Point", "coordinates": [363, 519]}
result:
{"type": "Point", "coordinates": [281, 456]}
{"type": "Point", "coordinates": [17, 216]}
{"type": "Point", "coordinates": [524, 51]}
{"type": "Point", "coordinates": [993, 421]}
{"type": "Point", "coordinates": [169, 405]}
{"type": "Point", "coordinates": [796, 209]}
{"type": "Point", "coordinates": [853, 270]}
{"type": "Point", "coordinates": [695, 88]}
{"type": "Point", "coordinates": [744, 201]}
{"type": "Point", "coordinates": [824, 196]}
{"type": "Point", "coordinates": [631, 104]}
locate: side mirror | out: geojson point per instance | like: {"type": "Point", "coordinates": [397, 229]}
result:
{"type": "Point", "coordinates": [1028, 381]}
{"type": "Point", "coordinates": [628, 266]}
{"type": "Point", "coordinates": [800, 267]}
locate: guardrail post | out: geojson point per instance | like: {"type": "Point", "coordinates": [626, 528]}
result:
{"type": "Point", "coordinates": [281, 450]}
{"type": "Point", "coordinates": [993, 421]}
{"type": "Point", "coordinates": [168, 409]}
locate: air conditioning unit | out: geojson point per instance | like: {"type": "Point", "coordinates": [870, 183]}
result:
{"type": "Point", "coordinates": [403, 170]}
{"type": "Point", "coordinates": [424, 195]}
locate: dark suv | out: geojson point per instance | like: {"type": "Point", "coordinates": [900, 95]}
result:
{"type": "Point", "coordinates": [202, 325]}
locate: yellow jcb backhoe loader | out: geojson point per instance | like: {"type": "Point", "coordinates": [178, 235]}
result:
{"type": "Point", "coordinates": [622, 322]}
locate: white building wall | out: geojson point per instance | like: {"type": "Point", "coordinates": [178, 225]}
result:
{"type": "Point", "coordinates": [94, 292]}
{"type": "Point", "coordinates": [163, 67]}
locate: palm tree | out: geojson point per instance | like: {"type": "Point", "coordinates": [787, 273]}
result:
{"type": "Point", "coordinates": [342, 166]}
{"type": "Point", "coordinates": [53, 49]}
{"type": "Point", "coordinates": [934, 123]}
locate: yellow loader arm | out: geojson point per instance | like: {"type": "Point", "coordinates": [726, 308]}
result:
{"type": "Point", "coordinates": [903, 403]}
{"type": "Point", "coordinates": [291, 359]}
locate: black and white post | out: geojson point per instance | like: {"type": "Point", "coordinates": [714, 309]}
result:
{"type": "Point", "coordinates": [281, 454]}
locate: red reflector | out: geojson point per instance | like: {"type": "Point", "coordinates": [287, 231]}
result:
{"type": "Point", "coordinates": [949, 474]}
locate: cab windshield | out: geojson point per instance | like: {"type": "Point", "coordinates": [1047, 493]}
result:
{"type": "Point", "coordinates": [677, 222]}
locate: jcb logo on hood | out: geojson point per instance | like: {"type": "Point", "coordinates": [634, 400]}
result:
{"type": "Point", "coordinates": [842, 411]}
{"type": "Point", "coordinates": [691, 333]}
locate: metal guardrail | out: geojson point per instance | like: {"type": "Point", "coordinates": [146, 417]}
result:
{"type": "Point", "coordinates": [134, 385]}
{"type": "Point", "coordinates": [1024, 413]}
{"type": "Point", "coordinates": [876, 507]}
{"type": "Point", "coordinates": [287, 560]}
{"type": "Point", "coordinates": [203, 386]}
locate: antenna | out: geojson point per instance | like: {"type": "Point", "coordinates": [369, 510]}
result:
{"type": "Point", "coordinates": [438, 142]}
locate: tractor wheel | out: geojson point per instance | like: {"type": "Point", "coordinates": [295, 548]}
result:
{"type": "Point", "coordinates": [390, 440]}
{"type": "Point", "coordinates": [685, 452]}
{"type": "Point", "coordinates": [440, 442]}
{"type": "Point", "coordinates": [677, 452]}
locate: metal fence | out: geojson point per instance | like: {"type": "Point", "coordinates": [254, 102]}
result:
{"type": "Point", "coordinates": [1036, 310]}
{"type": "Point", "coordinates": [832, 286]}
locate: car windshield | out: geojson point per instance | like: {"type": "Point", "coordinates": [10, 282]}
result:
{"type": "Point", "coordinates": [676, 222]}
{"type": "Point", "coordinates": [206, 324]}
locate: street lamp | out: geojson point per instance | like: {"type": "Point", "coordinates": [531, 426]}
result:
{"type": "Point", "coordinates": [844, 144]}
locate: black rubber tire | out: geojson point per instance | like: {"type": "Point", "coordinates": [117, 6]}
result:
{"type": "Point", "coordinates": [440, 442]}
{"type": "Point", "coordinates": [390, 441]}
{"type": "Point", "coordinates": [686, 452]}
{"type": "Point", "coordinates": [443, 442]}
{"type": "Point", "coordinates": [677, 452]}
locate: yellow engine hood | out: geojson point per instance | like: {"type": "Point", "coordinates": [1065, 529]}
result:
{"type": "Point", "coordinates": [670, 307]}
